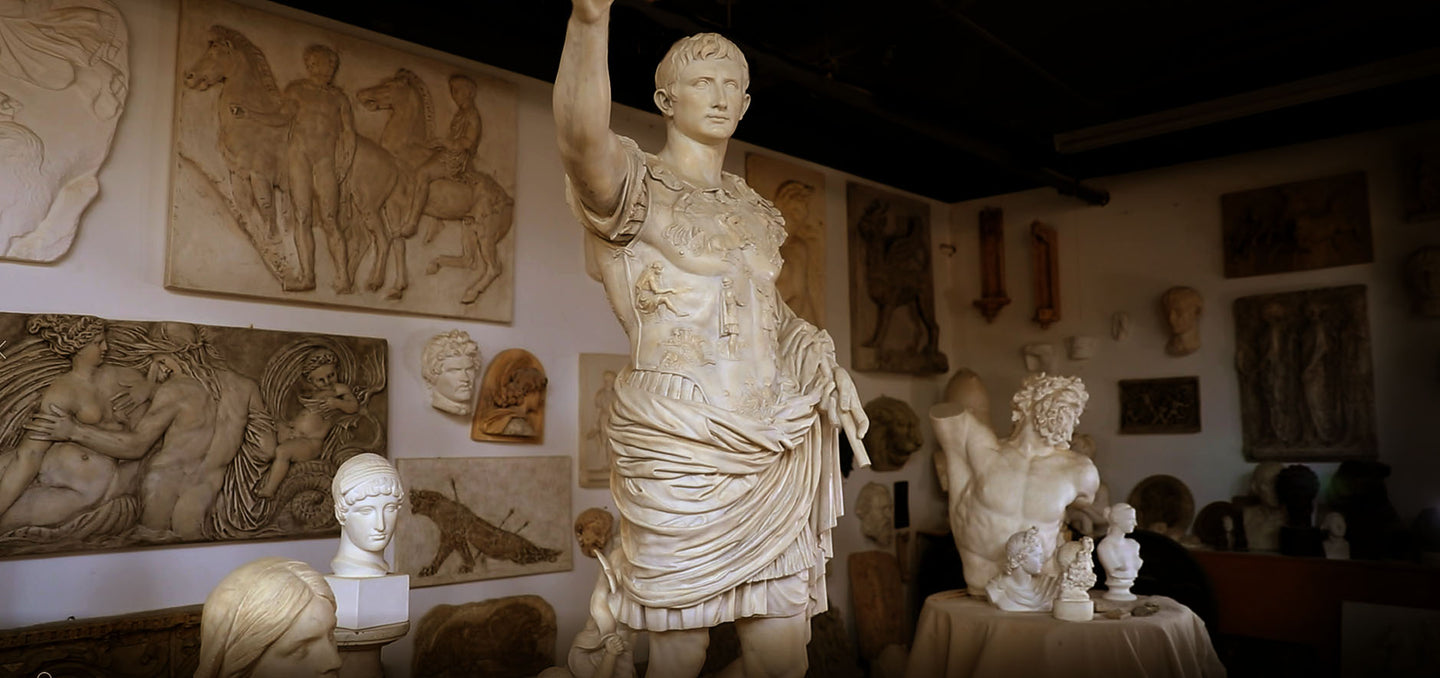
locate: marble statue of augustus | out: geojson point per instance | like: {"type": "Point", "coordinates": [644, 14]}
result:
{"type": "Point", "coordinates": [724, 431]}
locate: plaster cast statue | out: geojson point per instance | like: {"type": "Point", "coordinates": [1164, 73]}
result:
{"type": "Point", "coordinates": [1020, 586]}
{"type": "Point", "coordinates": [64, 76]}
{"type": "Point", "coordinates": [1182, 307]}
{"type": "Point", "coordinates": [1119, 555]}
{"type": "Point", "coordinates": [877, 514]}
{"type": "Point", "coordinates": [724, 430]}
{"type": "Point", "coordinates": [1336, 548]}
{"type": "Point", "coordinates": [999, 487]}
{"type": "Point", "coordinates": [603, 648]}
{"type": "Point", "coordinates": [1263, 520]}
{"type": "Point", "coordinates": [1077, 577]}
{"type": "Point", "coordinates": [368, 497]}
{"type": "Point", "coordinates": [1089, 519]}
{"type": "Point", "coordinates": [270, 618]}
{"type": "Point", "coordinates": [894, 433]}
{"type": "Point", "coordinates": [449, 364]}
{"type": "Point", "coordinates": [1080, 348]}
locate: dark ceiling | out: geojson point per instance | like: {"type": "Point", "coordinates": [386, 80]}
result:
{"type": "Point", "coordinates": [959, 99]}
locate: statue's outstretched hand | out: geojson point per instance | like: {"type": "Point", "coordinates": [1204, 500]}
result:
{"type": "Point", "coordinates": [591, 11]}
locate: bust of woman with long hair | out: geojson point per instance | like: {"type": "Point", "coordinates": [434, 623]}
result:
{"type": "Point", "coordinates": [270, 618]}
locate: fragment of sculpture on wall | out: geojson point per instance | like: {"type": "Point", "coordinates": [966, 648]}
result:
{"type": "Point", "coordinates": [1167, 405]}
{"type": "Point", "coordinates": [892, 284]}
{"type": "Point", "coordinates": [307, 161]}
{"type": "Point", "coordinates": [894, 433]}
{"type": "Point", "coordinates": [1181, 308]}
{"type": "Point", "coordinates": [1306, 386]}
{"type": "Point", "coordinates": [450, 364]}
{"type": "Point", "coordinates": [511, 636]}
{"type": "Point", "coordinates": [799, 194]}
{"type": "Point", "coordinates": [597, 393]}
{"type": "Point", "coordinates": [64, 76]}
{"type": "Point", "coordinates": [1034, 464]}
{"type": "Point", "coordinates": [1045, 270]}
{"type": "Point", "coordinates": [117, 434]}
{"type": "Point", "coordinates": [1297, 226]}
{"type": "Point", "coordinates": [1163, 504]}
{"type": "Point", "coordinates": [157, 644]}
{"type": "Point", "coordinates": [992, 264]}
{"type": "Point", "coordinates": [483, 518]}
{"type": "Point", "coordinates": [511, 407]}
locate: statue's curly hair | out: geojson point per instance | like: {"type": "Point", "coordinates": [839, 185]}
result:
{"type": "Point", "coordinates": [66, 334]}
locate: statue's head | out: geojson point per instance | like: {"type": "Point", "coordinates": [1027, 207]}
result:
{"type": "Point", "coordinates": [1122, 517]}
{"type": "Point", "coordinates": [272, 617]}
{"type": "Point", "coordinates": [368, 496]}
{"type": "Point", "coordinates": [1023, 551]}
{"type": "Point", "coordinates": [1052, 405]}
{"type": "Point", "coordinates": [700, 87]}
{"type": "Point", "coordinates": [1182, 307]}
{"type": "Point", "coordinates": [449, 364]}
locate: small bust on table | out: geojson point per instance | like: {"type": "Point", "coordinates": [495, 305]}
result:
{"type": "Point", "coordinates": [1119, 555]}
{"type": "Point", "coordinates": [1020, 587]}
{"type": "Point", "coordinates": [367, 496]}
{"type": "Point", "coordinates": [1077, 576]}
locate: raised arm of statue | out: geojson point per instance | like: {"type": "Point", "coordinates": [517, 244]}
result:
{"type": "Point", "coordinates": [592, 155]}
{"type": "Point", "coordinates": [962, 437]}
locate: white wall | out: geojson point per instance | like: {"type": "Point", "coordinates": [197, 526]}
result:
{"type": "Point", "coordinates": [116, 270]}
{"type": "Point", "coordinates": [1162, 228]}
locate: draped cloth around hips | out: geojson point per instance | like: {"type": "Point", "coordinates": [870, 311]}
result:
{"type": "Point", "coordinates": [722, 516]}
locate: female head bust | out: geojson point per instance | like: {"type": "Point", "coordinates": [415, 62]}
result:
{"type": "Point", "coordinates": [368, 496]}
{"type": "Point", "coordinates": [270, 618]}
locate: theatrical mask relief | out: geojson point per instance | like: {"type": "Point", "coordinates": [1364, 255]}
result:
{"type": "Point", "coordinates": [318, 167]}
{"type": "Point", "coordinates": [117, 434]}
{"type": "Point", "coordinates": [64, 75]}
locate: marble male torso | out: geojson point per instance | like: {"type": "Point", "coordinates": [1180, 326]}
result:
{"type": "Point", "coordinates": [690, 273]}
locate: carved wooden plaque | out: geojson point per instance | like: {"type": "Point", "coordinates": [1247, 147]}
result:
{"type": "Point", "coordinates": [597, 393]}
{"type": "Point", "coordinates": [483, 518]}
{"type": "Point", "coordinates": [992, 264]}
{"type": "Point", "coordinates": [892, 284]}
{"type": "Point", "coordinates": [511, 407]}
{"type": "Point", "coordinates": [512, 636]}
{"type": "Point", "coordinates": [318, 167]}
{"type": "Point", "coordinates": [799, 194]}
{"type": "Point", "coordinates": [159, 644]}
{"type": "Point", "coordinates": [1297, 226]}
{"type": "Point", "coordinates": [1170, 405]}
{"type": "Point", "coordinates": [1045, 267]}
{"type": "Point", "coordinates": [120, 434]}
{"type": "Point", "coordinates": [1306, 385]}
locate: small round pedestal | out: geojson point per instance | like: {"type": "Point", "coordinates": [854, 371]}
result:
{"type": "Point", "coordinates": [1119, 590]}
{"type": "Point", "coordinates": [360, 648]}
{"type": "Point", "coordinates": [1075, 610]}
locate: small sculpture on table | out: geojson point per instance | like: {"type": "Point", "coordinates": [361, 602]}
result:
{"type": "Point", "coordinates": [1021, 587]}
{"type": "Point", "coordinates": [1263, 519]}
{"type": "Point", "coordinates": [449, 364]}
{"type": "Point", "coordinates": [1336, 548]}
{"type": "Point", "coordinates": [998, 487]}
{"type": "Point", "coordinates": [270, 618]}
{"type": "Point", "coordinates": [1077, 577]}
{"type": "Point", "coordinates": [1119, 555]}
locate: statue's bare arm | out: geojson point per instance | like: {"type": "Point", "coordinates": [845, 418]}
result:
{"type": "Point", "coordinates": [1087, 485]}
{"type": "Point", "coordinates": [57, 425]}
{"type": "Point", "coordinates": [965, 440]}
{"type": "Point", "coordinates": [592, 155]}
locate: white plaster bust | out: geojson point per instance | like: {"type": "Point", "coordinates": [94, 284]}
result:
{"type": "Point", "coordinates": [449, 364]}
{"type": "Point", "coordinates": [1264, 520]}
{"type": "Point", "coordinates": [1336, 548]}
{"type": "Point", "coordinates": [1000, 487]}
{"type": "Point", "coordinates": [1119, 555]}
{"type": "Point", "coordinates": [1020, 586]}
{"type": "Point", "coordinates": [1182, 307]}
{"type": "Point", "coordinates": [270, 618]}
{"type": "Point", "coordinates": [877, 514]}
{"type": "Point", "coordinates": [368, 496]}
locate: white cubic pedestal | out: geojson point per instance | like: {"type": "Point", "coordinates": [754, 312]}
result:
{"type": "Point", "coordinates": [1075, 610]}
{"type": "Point", "coordinates": [365, 602]}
